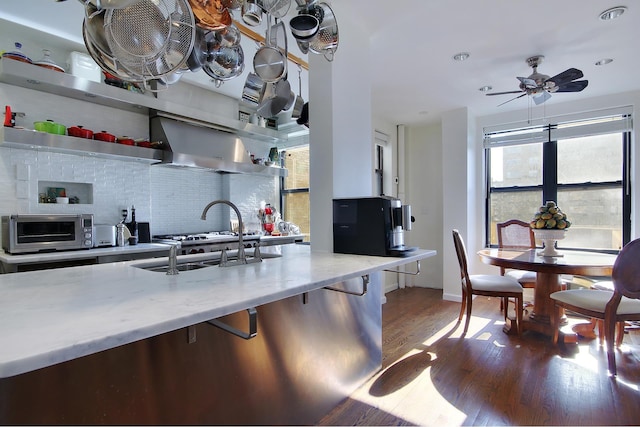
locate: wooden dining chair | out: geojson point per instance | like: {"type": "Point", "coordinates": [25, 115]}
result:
{"type": "Point", "coordinates": [517, 234]}
{"type": "Point", "coordinates": [621, 305]}
{"type": "Point", "coordinates": [491, 285]}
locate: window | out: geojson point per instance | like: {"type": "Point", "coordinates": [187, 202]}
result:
{"type": "Point", "coordinates": [583, 165]}
{"type": "Point", "coordinates": [295, 188]}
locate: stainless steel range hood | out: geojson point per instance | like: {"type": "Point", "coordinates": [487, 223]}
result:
{"type": "Point", "coordinates": [197, 145]}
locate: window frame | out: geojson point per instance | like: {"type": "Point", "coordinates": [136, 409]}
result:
{"type": "Point", "coordinates": [550, 187]}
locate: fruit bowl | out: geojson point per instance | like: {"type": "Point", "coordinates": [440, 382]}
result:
{"type": "Point", "coordinates": [550, 224]}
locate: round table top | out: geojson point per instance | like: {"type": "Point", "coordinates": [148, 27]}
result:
{"type": "Point", "coordinates": [572, 262]}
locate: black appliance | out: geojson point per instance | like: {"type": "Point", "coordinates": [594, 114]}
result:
{"type": "Point", "coordinates": [371, 226]}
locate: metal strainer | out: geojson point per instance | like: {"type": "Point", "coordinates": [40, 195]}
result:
{"type": "Point", "coordinates": [325, 42]}
{"type": "Point", "coordinates": [151, 38]}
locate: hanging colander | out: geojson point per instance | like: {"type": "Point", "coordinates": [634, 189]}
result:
{"type": "Point", "coordinates": [325, 42]}
{"type": "Point", "coordinates": [151, 38]}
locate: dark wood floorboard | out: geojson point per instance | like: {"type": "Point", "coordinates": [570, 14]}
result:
{"type": "Point", "coordinates": [431, 375]}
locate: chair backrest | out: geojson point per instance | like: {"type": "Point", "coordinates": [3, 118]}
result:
{"type": "Point", "coordinates": [515, 234]}
{"type": "Point", "coordinates": [461, 252]}
{"type": "Point", "coordinates": [626, 270]}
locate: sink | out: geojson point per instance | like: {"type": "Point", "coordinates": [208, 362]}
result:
{"type": "Point", "coordinates": [163, 266]}
{"type": "Point", "coordinates": [188, 266]}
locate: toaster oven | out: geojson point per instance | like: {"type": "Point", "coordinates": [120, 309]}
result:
{"type": "Point", "coordinates": [46, 233]}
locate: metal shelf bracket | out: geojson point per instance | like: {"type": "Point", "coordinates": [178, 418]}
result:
{"type": "Point", "coordinates": [253, 325]}
{"type": "Point", "coordinates": [365, 283]}
{"type": "Point", "coordinates": [408, 272]}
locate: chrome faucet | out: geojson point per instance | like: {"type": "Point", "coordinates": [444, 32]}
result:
{"type": "Point", "coordinates": [242, 259]}
{"type": "Point", "coordinates": [173, 260]}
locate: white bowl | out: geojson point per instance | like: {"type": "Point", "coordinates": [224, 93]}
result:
{"type": "Point", "coordinates": [63, 200]}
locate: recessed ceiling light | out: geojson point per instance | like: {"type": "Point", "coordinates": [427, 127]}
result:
{"type": "Point", "coordinates": [604, 61]}
{"type": "Point", "coordinates": [485, 88]}
{"type": "Point", "coordinates": [612, 13]}
{"type": "Point", "coordinates": [461, 56]}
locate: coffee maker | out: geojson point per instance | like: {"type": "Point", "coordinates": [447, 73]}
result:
{"type": "Point", "coordinates": [371, 226]}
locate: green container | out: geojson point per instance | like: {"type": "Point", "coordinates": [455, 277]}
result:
{"type": "Point", "coordinates": [50, 127]}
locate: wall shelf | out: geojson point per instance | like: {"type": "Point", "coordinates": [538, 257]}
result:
{"type": "Point", "coordinates": [63, 84]}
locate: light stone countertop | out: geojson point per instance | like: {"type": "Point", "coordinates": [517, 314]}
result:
{"type": "Point", "coordinates": [51, 316]}
{"type": "Point", "coordinates": [81, 253]}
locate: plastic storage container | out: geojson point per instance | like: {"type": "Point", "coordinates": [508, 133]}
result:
{"type": "Point", "coordinates": [82, 65]}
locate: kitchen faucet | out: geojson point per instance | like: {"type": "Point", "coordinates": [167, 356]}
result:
{"type": "Point", "coordinates": [242, 259]}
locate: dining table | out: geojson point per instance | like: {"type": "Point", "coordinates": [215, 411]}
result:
{"type": "Point", "coordinates": [549, 272]}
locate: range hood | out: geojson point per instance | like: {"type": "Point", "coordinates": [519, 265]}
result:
{"type": "Point", "coordinates": [197, 145]}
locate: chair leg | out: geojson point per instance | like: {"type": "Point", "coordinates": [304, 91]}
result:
{"type": "Point", "coordinates": [610, 328]}
{"type": "Point", "coordinates": [601, 331]}
{"type": "Point", "coordinates": [468, 319]}
{"type": "Point", "coordinates": [519, 310]}
{"type": "Point", "coordinates": [504, 302]}
{"type": "Point", "coordinates": [619, 333]}
{"type": "Point", "coordinates": [463, 305]}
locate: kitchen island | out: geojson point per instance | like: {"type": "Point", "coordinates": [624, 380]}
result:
{"type": "Point", "coordinates": [122, 343]}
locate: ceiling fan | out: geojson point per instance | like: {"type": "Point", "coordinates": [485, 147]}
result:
{"type": "Point", "coordinates": [540, 86]}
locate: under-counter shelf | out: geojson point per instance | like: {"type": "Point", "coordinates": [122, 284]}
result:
{"type": "Point", "coordinates": [29, 139]}
{"type": "Point", "coordinates": [63, 84]}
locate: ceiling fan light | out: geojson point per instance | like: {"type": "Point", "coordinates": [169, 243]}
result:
{"type": "Point", "coordinates": [604, 61]}
{"type": "Point", "coordinates": [612, 13]}
{"type": "Point", "coordinates": [462, 56]}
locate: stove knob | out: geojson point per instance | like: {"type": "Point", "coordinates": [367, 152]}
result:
{"type": "Point", "coordinates": [201, 251]}
{"type": "Point", "coordinates": [193, 251]}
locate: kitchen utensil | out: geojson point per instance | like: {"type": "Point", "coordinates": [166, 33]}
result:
{"type": "Point", "coordinates": [17, 54]}
{"type": "Point", "coordinates": [326, 40]}
{"type": "Point", "coordinates": [225, 64]}
{"type": "Point", "coordinates": [269, 63]}
{"type": "Point", "coordinates": [104, 136]}
{"type": "Point", "coordinates": [80, 132]}
{"type": "Point", "coordinates": [9, 117]}
{"type": "Point", "coordinates": [253, 87]}
{"type": "Point", "coordinates": [303, 45]}
{"type": "Point", "coordinates": [125, 140]}
{"type": "Point", "coordinates": [274, 98]}
{"type": "Point", "coordinates": [276, 8]}
{"type": "Point", "coordinates": [62, 200]}
{"type": "Point", "coordinates": [210, 14]}
{"type": "Point", "coordinates": [251, 13]}
{"type": "Point", "coordinates": [151, 38]}
{"type": "Point", "coordinates": [50, 126]}
{"type": "Point", "coordinates": [200, 52]}
{"type": "Point", "coordinates": [304, 26]}
{"type": "Point", "coordinates": [47, 62]}
{"type": "Point", "coordinates": [111, 4]}
{"type": "Point", "coordinates": [299, 102]}
{"type": "Point", "coordinates": [105, 60]}
{"type": "Point", "coordinates": [232, 4]}
{"type": "Point", "coordinates": [228, 36]}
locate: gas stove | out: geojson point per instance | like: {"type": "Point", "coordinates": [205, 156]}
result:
{"type": "Point", "coordinates": [210, 241]}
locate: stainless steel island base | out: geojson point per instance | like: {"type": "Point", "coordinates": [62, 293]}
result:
{"type": "Point", "coordinates": [311, 351]}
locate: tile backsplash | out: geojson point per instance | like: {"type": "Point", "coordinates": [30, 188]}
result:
{"type": "Point", "coordinates": [170, 199]}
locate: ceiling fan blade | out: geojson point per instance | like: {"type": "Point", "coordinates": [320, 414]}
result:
{"type": "Point", "coordinates": [503, 93]}
{"type": "Point", "coordinates": [565, 77]}
{"type": "Point", "coordinates": [576, 86]}
{"type": "Point", "coordinates": [542, 97]}
{"type": "Point", "coordinates": [527, 82]}
{"type": "Point", "coordinates": [523, 94]}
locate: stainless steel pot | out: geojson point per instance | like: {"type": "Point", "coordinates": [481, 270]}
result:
{"type": "Point", "coordinates": [274, 98]}
{"type": "Point", "coordinates": [299, 102]}
{"type": "Point", "coordinates": [253, 89]}
{"type": "Point", "coordinates": [200, 52]}
{"type": "Point", "coordinates": [269, 62]}
{"type": "Point", "coordinates": [251, 13]}
{"type": "Point", "coordinates": [304, 26]}
{"type": "Point", "coordinates": [225, 63]}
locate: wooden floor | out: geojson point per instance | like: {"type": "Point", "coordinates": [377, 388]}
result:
{"type": "Point", "coordinates": [432, 376]}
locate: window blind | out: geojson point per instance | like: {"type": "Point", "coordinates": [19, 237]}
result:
{"type": "Point", "coordinates": [602, 122]}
